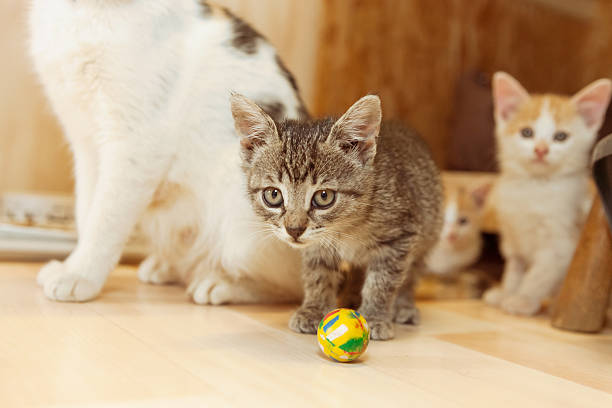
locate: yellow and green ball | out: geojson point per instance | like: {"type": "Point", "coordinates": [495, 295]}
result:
{"type": "Point", "coordinates": [343, 335]}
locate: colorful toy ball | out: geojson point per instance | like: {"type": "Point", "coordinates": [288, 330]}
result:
{"type": "Point", "coordinates": [343, 335]}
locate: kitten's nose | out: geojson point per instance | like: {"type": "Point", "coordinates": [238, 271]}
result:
{"type": "Point", "coordinates": [541, 150]}
{"type": "Point", "coordinates": [295, 232]}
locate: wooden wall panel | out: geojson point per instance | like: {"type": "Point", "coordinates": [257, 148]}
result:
{"type": "Point", "coordinates": [412, 52]}
{"type": "Point", "coordinates": [33, 155]}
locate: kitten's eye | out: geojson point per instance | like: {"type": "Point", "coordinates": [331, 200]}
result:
{"type": "Point", "coordinates": [323, 199]}
{"type": "Point", "coordinates": [462, 220]}
{"type": "Point", "coordinates": [527, 132]}
{"type": "Point", "coordinates": [272, 197]}
{"type": "Point", "coordinates": [560, 136]}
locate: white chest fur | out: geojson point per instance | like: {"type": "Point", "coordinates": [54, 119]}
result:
{"type": "Point", "coordinates": [533, 212]}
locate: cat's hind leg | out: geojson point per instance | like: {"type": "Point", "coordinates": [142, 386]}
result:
{"type": "Point", "coordinates": [158, 271]}
{"type": "Point", "coordinates": [349, 291]}
{"type": "Point", "coordinates": [406, 311]}
{"type": "Point", "coordinates": [216, 288]}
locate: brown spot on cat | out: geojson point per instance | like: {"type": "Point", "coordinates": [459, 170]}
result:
{"type": "Point", "coordinates": [206, 8]}
{"type": "Point", "coordinates": [245, 37]}
{"type": "Point", "coordinates": [276, 110]}
{"type": "Point", "coordinates": [165, 195]}
{"type": "Point", "coordinates": [286, 73]}
{"type": "Point", "coordinates": [302, 111]}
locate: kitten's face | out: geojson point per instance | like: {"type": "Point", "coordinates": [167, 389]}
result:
{"type": "Point", "coordinates": [462, 216]}
{"type": "Point", "coordinates": [308, 180]}
{"type": "Point", "coordinates": [543, 135]}
{"type": "Point", "coordinates": [305, 196]}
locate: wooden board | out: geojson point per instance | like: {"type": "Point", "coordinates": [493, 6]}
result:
{"type": "Point", "coordinates": [147, 346]}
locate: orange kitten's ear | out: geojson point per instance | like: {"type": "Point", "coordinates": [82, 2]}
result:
{"type": "Point", "coordinates": [253, 125]}
{"type": "Point", "coordinates": [479, 194]}
{"type": "Point", "coordinates": [357, 130]}
{"type": "Point", "coordinates": [592, 102]}
{"type": "Point", "coordinates": [508, 95]}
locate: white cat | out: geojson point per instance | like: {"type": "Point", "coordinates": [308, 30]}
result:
{"type": "Point", "coordinates": [142, 90]}
{"type": "Point", "coordinates": [542, 195]}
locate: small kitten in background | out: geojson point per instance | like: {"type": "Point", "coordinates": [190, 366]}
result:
{"type": "Point", "coordinates": [339, 192]}
{"type": "Point", "coordinates": [460, 242]}
{"type": "Point", "coordinates": [542, 195]}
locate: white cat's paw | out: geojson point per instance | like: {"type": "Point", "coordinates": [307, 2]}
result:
{"type": "Point", "coordinates": [520, 305]}
{"type": "Point", "coordinates": [154, 270]}
{"type": "Point", "coordinates": [62, 285]}
{"type": "Point", "coordinates": [50, 269]}
{"type": "Point", "coordinates": [212, 290]}
{"type": "Point", "coordinates": [493, 296]}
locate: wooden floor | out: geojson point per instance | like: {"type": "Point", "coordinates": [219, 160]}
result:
{"type": "Point", "coordinates": [141, 346]}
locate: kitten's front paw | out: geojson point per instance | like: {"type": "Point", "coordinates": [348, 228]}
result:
{"type": "Point", "coordinates": [305, 320]}
{"type": "Point", "coordinates": [520, 305]}
{"type": "Point", "coordinates": [493, 296]}
{"type": "Point", "coordinates": [381, 330]}
{"type": "Point", "coordinates": [156, 271]}
{"type": "Point", "coordinates": [62, 285]}
{"type": "Point", "coordinates": [407, 315]}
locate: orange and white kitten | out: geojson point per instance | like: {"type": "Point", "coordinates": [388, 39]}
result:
{"type": "Point", "coordinates": [460, 242]}
{"type": "Point", "coordinates": [542, 195]}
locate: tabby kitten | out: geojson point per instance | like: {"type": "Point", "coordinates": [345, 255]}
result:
{"type": "Point", "coordinates": [542, 194]}
{"type": "Point", "coordinates": [340, 193]}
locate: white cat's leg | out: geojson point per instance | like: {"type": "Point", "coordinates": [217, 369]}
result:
{"type": "Point", "coordinates": [514, 270]}
{"type": "Point", "coordinates": [154, 269]}
{"type": "Point", "coordinates": [126, 182]}
{"type": "Point", "coordinates": [545, 274]}
{"type": "Point", "coordinates": [215, 288]}
{"type": "Point", "coordinates": [85, 173]}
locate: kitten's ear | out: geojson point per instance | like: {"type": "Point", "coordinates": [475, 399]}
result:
{"type": "Point", "coordinates": [508, 95]}
{"type": "Point", "coordinates": [592, 102]}
{"type": "Point", "coordinates": [253, 125]}
{"type": "Point", "coordinates": [357, 130]}
{"type": "Point", "coordinates": [480, 193]}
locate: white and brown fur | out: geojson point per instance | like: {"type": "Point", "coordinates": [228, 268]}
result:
{"type": "Point", "coordinates": [542, 195]}
{"type": "Point", "coordinates": [385, 216]}
{"type": "Point", "coordinates": [141, 89]}
{"type": "Point", "coordinates": [460, 243]}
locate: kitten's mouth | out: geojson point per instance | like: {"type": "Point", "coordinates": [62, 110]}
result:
{"type": "Point", "coordinates": [296, 244]}
{"type": "Point", "coordinates": [540, 160]}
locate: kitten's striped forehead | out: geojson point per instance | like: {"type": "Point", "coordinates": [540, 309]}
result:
{"type": "Point", "coordinates": [300, 142]}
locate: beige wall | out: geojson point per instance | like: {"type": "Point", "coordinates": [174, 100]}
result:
{"type": "Point", "coordinates": [33, 155]}
{"type": "Point", "coordinates": [32, 152]}
{"type": "Point", "coordinates": [411, 52]}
